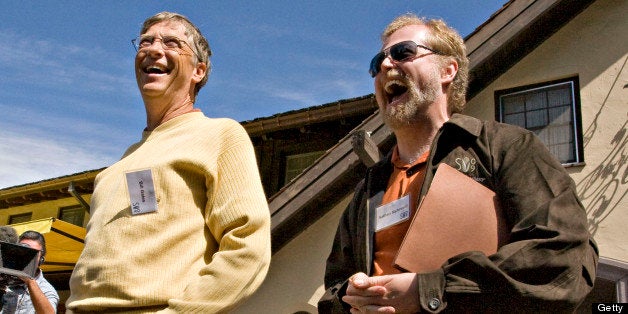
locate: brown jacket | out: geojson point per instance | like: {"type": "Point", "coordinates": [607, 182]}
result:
{"type": "Point", "coordinates": [548, 264]}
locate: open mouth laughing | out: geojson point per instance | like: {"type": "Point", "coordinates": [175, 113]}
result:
{"type": "Point", "coordinates": [156, 69]}
{"type": "Point", "coordinates": [394, 89]}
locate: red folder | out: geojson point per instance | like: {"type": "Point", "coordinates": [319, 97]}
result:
{"type": "Point", "coordinates": [456, 215]}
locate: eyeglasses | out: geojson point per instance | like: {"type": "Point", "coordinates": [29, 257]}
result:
{"type": "Point", "coordinates": [167, 43]}
{"type": "Point", "coordinates": [398, 52]}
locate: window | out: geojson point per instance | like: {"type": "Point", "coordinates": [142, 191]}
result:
{"type": "Point", "coordinates": [13, 219]}
{"type": "Point", "coordinates": [611, 284]}
{"type": "Point", "coordinates": [295, 164]}
{"type": "Point", "coordinates": [72, 214]}
{"type": "Point", "coordinates": [551, 110]}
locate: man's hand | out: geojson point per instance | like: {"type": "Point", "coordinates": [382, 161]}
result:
{"type": "Point", "coordinates": [397, 293]}
{"type": "Point", "coordinates": [39, 299]}
{"type": "Point", "coordinates": [28, 280]}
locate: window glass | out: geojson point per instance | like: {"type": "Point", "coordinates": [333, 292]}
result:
{"type": "Point", "coordinates": [295, 164]}
{"type": "Point", "coordinates": [72, 214]}
{"type": "Point", "coordinates": [550, 110]}
{"type": "Point", "coordinates": [13, 219]}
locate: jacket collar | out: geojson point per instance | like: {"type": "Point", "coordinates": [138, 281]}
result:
{"type": "Point", "coordinates": [470, 124]}
{"type": "Point", "coordinates": [466, 123]}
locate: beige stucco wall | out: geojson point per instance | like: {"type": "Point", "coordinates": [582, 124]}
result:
{"type": "Point", "coordinates": [295, 279]}
{"type": "Point", "coordinates": [593, 46]}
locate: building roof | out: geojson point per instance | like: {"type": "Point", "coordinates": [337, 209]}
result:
{"type": "Point", "coordinates": [328, 112]}
{"type": "Point", "coordinates": [49, 189]}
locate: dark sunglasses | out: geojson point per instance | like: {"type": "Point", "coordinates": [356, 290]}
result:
{"type": "Point", "coordinates": [398, 52]}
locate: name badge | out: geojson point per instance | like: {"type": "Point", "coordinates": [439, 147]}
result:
{"type": "Point", "coordinates": [141, 191]}
{"type": "Point", "coordinates": [393, 213]}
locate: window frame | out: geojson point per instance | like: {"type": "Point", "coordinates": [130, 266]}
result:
{"type": "Point", "coordinates": [74, 207]}
{"type": "Point", "coordinates": [287, 157]}
{"type": "Point", "coordinates": [615, 275]}
{"type": "Point", "coordinates": [576, 115]}
{"type": "Point", "coordinates": [616, 271]}
{"type": "Point", "coordinates": [19, 216]}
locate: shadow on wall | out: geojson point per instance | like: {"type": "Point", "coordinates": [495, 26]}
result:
{"type": "Point", "coordinates": [601, 187]}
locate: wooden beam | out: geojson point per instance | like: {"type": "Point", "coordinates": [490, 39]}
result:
{"type": "Point", "coordinates": [314, 192]}
{"type": "Point", "coordinates": [365, 148]}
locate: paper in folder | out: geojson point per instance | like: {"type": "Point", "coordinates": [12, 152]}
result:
{"type": "Point", "coordinates": [456, 215]}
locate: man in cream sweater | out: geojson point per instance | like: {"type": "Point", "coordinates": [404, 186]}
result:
{"type": "Point", "coordinates": [180, 224]}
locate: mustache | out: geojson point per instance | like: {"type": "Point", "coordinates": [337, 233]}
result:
{"type": "Point", "coordinates": [395, 74]}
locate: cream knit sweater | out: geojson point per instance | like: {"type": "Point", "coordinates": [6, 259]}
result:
{"type": "Point", "coordinates": [206, 248]}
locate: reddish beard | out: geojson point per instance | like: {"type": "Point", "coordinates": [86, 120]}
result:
{"type": "Point", "coordinates": [418, 100]}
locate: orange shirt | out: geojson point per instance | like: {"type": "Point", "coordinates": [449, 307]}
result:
{"type": "Point", "coordinates": [405, 179]}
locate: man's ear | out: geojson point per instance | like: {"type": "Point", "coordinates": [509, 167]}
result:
{"type": "Point", "coordinates": [449, 71]}
{"type": "Point", "coordinates": [200, 70]}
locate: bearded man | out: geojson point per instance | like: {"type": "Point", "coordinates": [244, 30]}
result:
{"type": "Point", "coordinates": [549, 260]}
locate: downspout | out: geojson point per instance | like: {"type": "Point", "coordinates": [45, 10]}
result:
{"type": "Point", "coordinates": [78, 197]}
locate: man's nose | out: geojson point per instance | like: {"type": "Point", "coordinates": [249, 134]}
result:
{"type": "Point", "coordinates": [387, 63]}
{"type": "Point", "coordinates": [156, 47]}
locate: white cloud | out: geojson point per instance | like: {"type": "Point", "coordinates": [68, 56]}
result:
{"type": "Point", "coordinates": [66, 109]}
{"type": "Point", "coordinates": [37, 63]}
{"type": "Point", "coordinates": [26, 159]}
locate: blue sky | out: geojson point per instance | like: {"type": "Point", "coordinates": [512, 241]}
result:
{"type": "Point", "coordinates": [68, 95]}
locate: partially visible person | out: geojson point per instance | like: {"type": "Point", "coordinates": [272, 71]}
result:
{"type": "Point", "coordinates": [37, 295]}
{"type": "Point", "coordinates": [180, 224]}
{"type": "Point", "coordinates": [548, 262]}
{"type": "Point", "coordinates": [8, 234]}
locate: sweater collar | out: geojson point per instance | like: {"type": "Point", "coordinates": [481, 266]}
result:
{"type": "Point", "coordinates": [172, 123]}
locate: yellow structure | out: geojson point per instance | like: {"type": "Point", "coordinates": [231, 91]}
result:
{"type": "Point", "coordinates": [64, 242]}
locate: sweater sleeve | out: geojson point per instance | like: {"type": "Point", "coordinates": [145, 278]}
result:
{"type": "Point", "coordinates": [238, 219]}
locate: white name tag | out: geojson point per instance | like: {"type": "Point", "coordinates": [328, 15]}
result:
{"type": "Point", "coordinates": [141, 191]}
{"type": "Point", "coordinates": [393, 213]}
